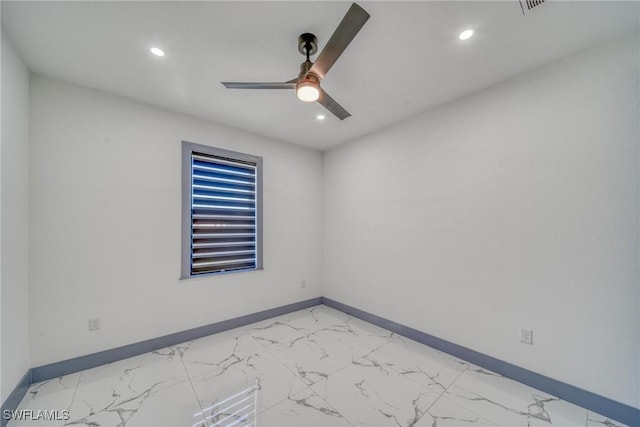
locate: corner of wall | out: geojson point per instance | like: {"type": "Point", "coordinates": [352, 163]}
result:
{"type": "Point", "coordinates": [15, 355]}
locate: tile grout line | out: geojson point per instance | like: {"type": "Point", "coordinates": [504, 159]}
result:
{"type": "Point", "coordinates": [328, 403]}
{"type": "Point", "coordinates": [467, 365]}
{"type": "Point", "coordinates": [426, 411]}
{"type": "Point", "coordinates": [292, 373]}
{"type": "Point", "coordinates": [75, 392]}
{"type": "Point", "coordinates": [364, 355]}
{"type": "Point", "coordinates": [263, 348]}
{"type": "Point", "coordinates": [268, 350]}
{"type": "Point", "coordinates": [193, 389]}
{"type": "Point", "coordinates": [442, 395]}
{"type": "Point", "coordinates": [283, 364]}
{"type": "Point", "coordinates": [260, 348]}
{"type": "Point", "coordinates": [309, 386]}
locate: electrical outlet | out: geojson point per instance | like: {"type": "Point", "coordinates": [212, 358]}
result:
{"type": "Point", "coordinates": [303, 283]}
{"type": "Point", "coordinates": [526, 336]}
{"type": "Point", "coordinates": [94, 323]}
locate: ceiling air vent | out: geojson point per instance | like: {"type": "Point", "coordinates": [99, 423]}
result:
{"type": "Point", "coordinates": [529, 4]}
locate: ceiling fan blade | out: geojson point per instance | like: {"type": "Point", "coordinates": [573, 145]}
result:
{"type": "Point", "coordinates": [330, 104]}
{"type": "Point", "coordinates": [264, 85]}
{"type": "Point", "coordinates": [352, 22]}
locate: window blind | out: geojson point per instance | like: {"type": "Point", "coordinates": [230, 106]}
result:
{"type": "Point", "coordinates": [223, 214]}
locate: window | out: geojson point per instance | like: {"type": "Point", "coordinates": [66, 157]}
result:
{"type": "Point", "coordinates": [221, 211]}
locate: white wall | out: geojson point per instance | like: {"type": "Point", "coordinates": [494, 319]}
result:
{"type": "Point", "coordinates": [14, 237]}
{"type": "Point", "coordinates": [516, 207]}
{"type": "Point", "coordinates": [105, 223]}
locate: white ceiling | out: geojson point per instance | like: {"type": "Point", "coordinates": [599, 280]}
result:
{"type": "Point", "coordinates": [405, 60]}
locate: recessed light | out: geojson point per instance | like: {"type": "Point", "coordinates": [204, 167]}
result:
{"type": "Point", "coordinates": [320, 117]}
{"type": "Point", "coordinates": [466, 34]}
{"type": "Point", "coordinates": [157, 51]}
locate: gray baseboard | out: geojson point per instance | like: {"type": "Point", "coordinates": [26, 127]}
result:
{"type": "Point", "coordinates": [14, 399]}
{"type": "Point", "coordinates": [65, 367]}
{"type": "Point", "coordinates": [602, 405]}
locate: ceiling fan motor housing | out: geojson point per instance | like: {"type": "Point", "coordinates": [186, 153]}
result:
{"type": "Point", "coordinates": [309, 78]}
{"type": "Point", "coordinates": [307, 42]}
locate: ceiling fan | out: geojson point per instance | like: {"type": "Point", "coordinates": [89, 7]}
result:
{"type": "Point", "coordinates": [307, 84]}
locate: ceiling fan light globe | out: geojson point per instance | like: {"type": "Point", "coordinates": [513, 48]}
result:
{"type": "Point", "coordinates": [307, 91]}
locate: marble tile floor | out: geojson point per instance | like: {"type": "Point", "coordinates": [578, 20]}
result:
{"type": "Point", "coordinates": [313, 367]}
